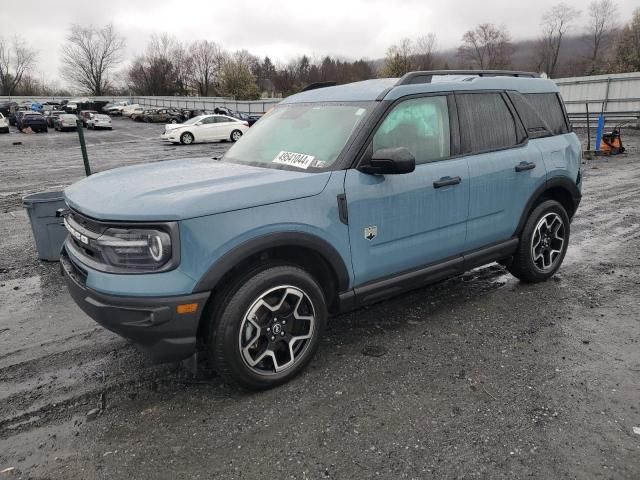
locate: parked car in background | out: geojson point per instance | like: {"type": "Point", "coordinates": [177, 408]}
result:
{"type": "Point", "coordinates": [205, 128]}
{"type": "Point", "coordinates": [134, 112]}
{"type": "Point", "coordinates": [161, 116]}
{"type": "Point", "coordinates": [7, 108]}
{"type": "Point", "coordinates": [13, 117]}
{"type": "Point", "coordinates": [177, 116]}
{"type": "Point", "coordinates": [115, 108]}
{"type": "Point", "coordinates": [51, 115]}
{"type": "Point", "coordinates": [139, 117]}
{"type": "Point", "coordinates": [65, 122]}
{"type": "Point", "coordinates": [130, 109]}
{"type": "Point", "coordinates": [232, 113]}
{"type": "Point", "coordinates": [4, 124]}
{"type": "Point", "coordinates": [99, 121]}
{"type": "Point", "coordinates": [33, 120]}
{"type": "Point", "coordinates": [86, 115]}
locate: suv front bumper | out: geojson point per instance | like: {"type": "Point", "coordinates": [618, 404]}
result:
{"type": "Point", "coordinates": [151, 322]}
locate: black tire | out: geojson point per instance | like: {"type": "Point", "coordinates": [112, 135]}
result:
{"type": "Point", "coordinates": [235, 135]}
{"type": "Point", "coordinates": [46, 130]}
{"type": "Point", "coordinates": [532, 270]}
{"type": "Point", "coordinates": [186, 138]}
{"type": "Point", "coordinates": [230, 318]}
{"type": "Point", "coordinates": [173, 121]}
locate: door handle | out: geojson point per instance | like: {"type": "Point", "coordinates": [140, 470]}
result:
{"type": "Point", "coordinates": [524, 166]}
{"type": "Point", "coordinates": [446, 181]}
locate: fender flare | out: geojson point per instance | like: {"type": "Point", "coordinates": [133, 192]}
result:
{"type": "Point", "coordinates": [562, 182]}
{"type": "Point", "coordinates": [233, 257]}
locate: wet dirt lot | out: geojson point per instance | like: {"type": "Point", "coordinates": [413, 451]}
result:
{"type": "Point", "coordinates": [482, 377]}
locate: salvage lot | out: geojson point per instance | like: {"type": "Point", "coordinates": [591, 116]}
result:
{"type": "Point", "coordinates": [480, 376]}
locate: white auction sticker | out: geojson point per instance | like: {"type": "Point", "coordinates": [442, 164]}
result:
{"type": "Point", "coordinates": [293, 159]}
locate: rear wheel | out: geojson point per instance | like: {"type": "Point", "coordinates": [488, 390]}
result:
{"type": "Point", "coordinates": [267, 328]}
{"type": "Point", "coordinates": [543, 243]}
{"type": "Point", "coordinates": [236, 135]}
{"type": "Point", "coordinates": [186, 138]}
{"type": "Point", "coordinates": [174, 121]}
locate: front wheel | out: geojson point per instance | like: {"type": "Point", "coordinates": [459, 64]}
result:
{"type": "Point", "coordinates": [186, 138]}
{"type": "Point", "coordinates": [267, 329]}
{"type": "Point", "coordinates": [236, 135]}
{"type": "Point", "coordinates": [543, 243]}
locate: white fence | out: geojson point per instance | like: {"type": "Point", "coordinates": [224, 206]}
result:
{"type": "Point", "coordinates": [616, 96]}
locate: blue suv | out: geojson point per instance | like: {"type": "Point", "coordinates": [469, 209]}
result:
{"type": "Point", "coordinates": [338, 197]}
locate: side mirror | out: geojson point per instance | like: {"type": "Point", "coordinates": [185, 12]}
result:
{"type": "Point", "coordinates": [390, 161]}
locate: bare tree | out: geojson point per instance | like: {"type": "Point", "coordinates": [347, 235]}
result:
{"type": "Point", "coordinates": [90, 55]}
{"type": "Point", "coordinates": [182, 67]}
{"type": "Point", "coordinates": [155, 72]}
{"type": "Point", "coordinates": [399, 59]}
{"type": "Point", "coordinates": [627, 51]}
{"type": "Point", "coordinates": [555, 24]}
{"type": "Point", "coordinates": [424, 52]}
{"type": "Point", "coordinates": [16, 59]}
{"type": "Point", "coordinates": [487, 47]}
{"type": "Point", "coordinates": [237, 79]}
{"type": "Point", "coordinates": [600, 30]}
{"type": "Point", "coordinates": [208, 59]}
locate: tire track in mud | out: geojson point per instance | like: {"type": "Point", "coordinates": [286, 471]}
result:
{"type": "Point", "coordinates": [57, 387]}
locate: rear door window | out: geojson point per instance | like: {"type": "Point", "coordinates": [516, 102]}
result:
{"type": "Point", "coordinates": [421, 125]}
{"type": "Point", "coordinates": [486, 123]}
{"type": "Point", "coordinates": [548, 107]}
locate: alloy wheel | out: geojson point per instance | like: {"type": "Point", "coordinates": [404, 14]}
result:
{"type": "Point", "coordinates": [547, 241]}
{"type": "Point", "coordinates": [277, 330]}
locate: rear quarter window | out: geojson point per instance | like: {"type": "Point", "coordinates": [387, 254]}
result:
{"type": "Point", "coordinates": [549, 108]}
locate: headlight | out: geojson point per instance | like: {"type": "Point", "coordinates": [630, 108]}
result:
{"type": "Point", "coordinates": [139, 249]}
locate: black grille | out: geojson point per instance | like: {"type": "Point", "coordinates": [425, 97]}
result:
{"type": "Point", "coordinates": [90, 227]}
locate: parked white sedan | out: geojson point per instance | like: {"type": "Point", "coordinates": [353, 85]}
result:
{"type": "Point", "coordinates": [97, 120]}
{"type": "Point", "coordinates": [4, 124]}
{"type": "Point", "coordinates": [205, 128]}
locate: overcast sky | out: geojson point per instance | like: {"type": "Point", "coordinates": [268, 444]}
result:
{"type": "Point", "coordinates": [282, 29]}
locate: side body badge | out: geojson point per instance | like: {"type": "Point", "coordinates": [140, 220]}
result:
{"type": "Point", "coordinates": [371, 232]}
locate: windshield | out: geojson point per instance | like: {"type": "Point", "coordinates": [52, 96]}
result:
{"type": "Point", "coordinates": [302, 136]}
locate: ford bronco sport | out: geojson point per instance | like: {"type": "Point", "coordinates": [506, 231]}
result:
{"type": "Point", "coordinates": [338, 197]}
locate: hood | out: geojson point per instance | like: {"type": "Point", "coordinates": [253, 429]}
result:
{"type": "Point", "coordinates": [172, 126]}
{"type": "Point", "coordinates": [181, 189]}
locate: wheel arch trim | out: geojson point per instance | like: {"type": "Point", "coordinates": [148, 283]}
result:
{"type": "Point", "coordinates": [564, 183]}
{"type": "Point", "coordinates": [245, 250]}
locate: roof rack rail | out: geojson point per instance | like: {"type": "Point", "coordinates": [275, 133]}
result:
{"type": "Point", "coordinates": [313, 86]}
{"type": "Point", "coordinates": [426, 76]}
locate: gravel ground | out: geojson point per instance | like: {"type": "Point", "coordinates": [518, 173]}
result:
{"type": "Point", "coordinates": [481, 376]}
